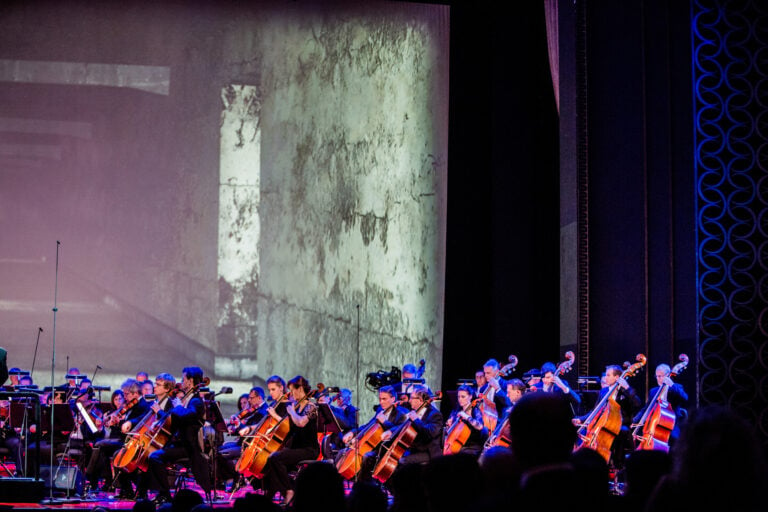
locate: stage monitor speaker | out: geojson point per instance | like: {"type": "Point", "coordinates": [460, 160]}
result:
{"type": "Point", "coordinates": [64, 478]}
{"type": "Point", "coordinates": [21, 490]}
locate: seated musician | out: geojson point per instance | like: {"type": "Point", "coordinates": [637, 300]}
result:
{"type": "Point", "coordinates": [516, 388]}
{"type": "Point", "coordinates": [389, 415]}
{"type": "Point", "coordinates": [164, 386]}
{"type": "Point", "coordinates": [629, 403]}
{"type": "Point", "coordinates": [551, 383]}
{"type": "Point", "coordinates": [300, 444]}
{"type": "Point", "coordinates": [472, 417]}
{"type": "Point", "coordinates": [428, 422]}
{"type": "Point", "coordinates": [105, 448]}
{"type": "Point", "coordinates": [676, 396]}
{"type": "Point", "coordinates": [187, 418]}
{"type": "Point", "coordinates": [480, 381]}
{"type": "Point", "coordinates": [229, 453]}
{"type": "Point", "coordinates": [345, 414]}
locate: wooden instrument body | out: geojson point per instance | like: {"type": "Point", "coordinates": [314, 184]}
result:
{"type": "Point", "coordinates": [391, 459]}
{"type": "Point", "coordinates": [499, 439]}
{"type": "Point", "coordinates": [351, 458]}
{"type": "Point", "coordinates": [603, 428]}
{"type": "Point", "coordinates": [604, 422]}
{"type": "Point", "coordinates": [659, 419]}
{"type": "Point", "coordinates": [456, 437]}
{"type": "Point", "coordinates": [267, 440]}
{"type": "Point", "coordinates": [153, 435]}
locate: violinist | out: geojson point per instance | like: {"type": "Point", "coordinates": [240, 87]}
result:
{"type": "Point", "coordinates": [629, 403]}
{"type": "Point", "coordinates": [255, 409]}
{"type": "Point", "coordinates": [187, 419]}
{"type": "Point", "coordinates": [104, 449]}
{"type": "Point", "coordinates": [470, 415]}
{"type": "Point", "coordinates": [551, 383]}
{"type": "Point", "coordinates": [676, 396]}
{"type": "Point", "coordinates": [301, 442]}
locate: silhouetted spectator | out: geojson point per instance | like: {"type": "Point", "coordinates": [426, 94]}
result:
{"type": "Point", "coordinates": [452, 482]}
{"type": "Point", "coordinates": [405, 484]}
{"type": "Point", "coordinates": [185, 500]}
{"type": "Point", "coordinates": [366, 496]}
{"type": "Point", "coordinates": [643, 470]}
{"type": "Point", "coordinates": [319, 488]}
{"type": "Point", "coordinates": [718, 464]}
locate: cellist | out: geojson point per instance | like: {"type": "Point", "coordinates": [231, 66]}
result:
{"type": "Point", "coordinates": [389, 415]}
{"type": "Point", "coordinates": [187, 418]}
{"type": "Point", "coordinates": [516, 388]}
{"type": "Point", "coordinates": [164, 384]}
{"type": "Point", "coordinates": [472, 418]}
{"type": "Point", "coordinates": [428, 423]}
{"type": "Point", "coordinates": [301, 441]}
{"type": "Point", "coordinates": [676, 396]}
{"type": "Point", "coordinates": [104, 449]}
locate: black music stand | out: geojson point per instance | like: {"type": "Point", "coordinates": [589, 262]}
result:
{"type": "Point", "coordinates": [216, 419]}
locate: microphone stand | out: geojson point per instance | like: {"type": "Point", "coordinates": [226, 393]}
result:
{"type": "Point", "coordinates": [34, 358]}
{"type": "Point", "coordinates": [50, 499]}
{"type": "Point", "coordinates": [214, 445]}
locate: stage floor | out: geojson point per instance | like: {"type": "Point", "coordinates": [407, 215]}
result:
{"type": "Point", "coordinates": [18, 487]}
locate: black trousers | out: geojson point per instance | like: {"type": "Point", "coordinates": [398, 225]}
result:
{"type": "Point", "coordinates": [158, 467]}
{"type": "Point", "coordinates": [278, 465]}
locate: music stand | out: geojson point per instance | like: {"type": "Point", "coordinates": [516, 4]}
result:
{"type": "Point", "coordinates": [216, 419]}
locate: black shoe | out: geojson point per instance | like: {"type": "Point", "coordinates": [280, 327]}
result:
{"type": "Point", "coordinates": [162, 499]}
{"type": "Point", "coordinates": [141, 495]}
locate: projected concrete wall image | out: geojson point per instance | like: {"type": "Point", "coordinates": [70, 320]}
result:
{"type": "Point", "coordinates": [253, 191]}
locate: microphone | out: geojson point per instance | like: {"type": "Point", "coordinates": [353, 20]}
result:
{"type": "Point", "coordinates": [99, 367]}
{"type": "Point", "coordinates": [226, 390]}
{"type": "Point", "coordinates": [333, 390]}
{"type": "Point", "coordinates": [41, 329]}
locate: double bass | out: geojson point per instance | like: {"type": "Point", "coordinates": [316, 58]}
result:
{"type": "Point", "coordinates": [402, 442]}
{"type": "Point", "coordinates": [487, 407]}
{"type": "Point", "coordinates": [658, 420]}
{"type": "Point", "coordinates": [603, 424]}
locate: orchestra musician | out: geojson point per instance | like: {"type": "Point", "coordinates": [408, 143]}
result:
{"type": "Point", "coordinates": [494, 389]}
{"type": "Point", "coordinates": [676, 396]}
{"type": "Point", "coordinates": [345, 414]}
{"type": "Point", "coordinates": [255, 409]}
{"type": "Point", "coordinates": [428, 423]}
{"type": "Point", "coordinates": [164, 386]}
{"type": "Point", "coordinates": [104, 449]}
{"type": "Point", "coordinates": [551, 383]}
{"type": "Point", "coordinates": [629, 403]}
{"type": "Point", "coordinates": [516, 388]}
{"type": "Point", "coordinates": [470, 414]}
{"type": "Point", "coordinates": [187, 419]}
{"type": "Point", "coordinates": [389, 415]}
{"type": "Point", "coordinates": [300, 444]}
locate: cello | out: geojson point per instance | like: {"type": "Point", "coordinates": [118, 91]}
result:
{"type": "Point", "coordinates": [350, 459]}
{"type": "Point", "coordinates": [457, 434]}
{"type": "Point", "coordinates": [249, 463]}
{"type": "Point", "coordinates": [151, 434]}
{"type": "Point", "coordinates": [487, 407]}
{"type": "Point", "coordinates": [658, 420]}
{"type": "Point", "coordinates": [603, 424]}
{"type": "Point", "coordinates": [402, 442]}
